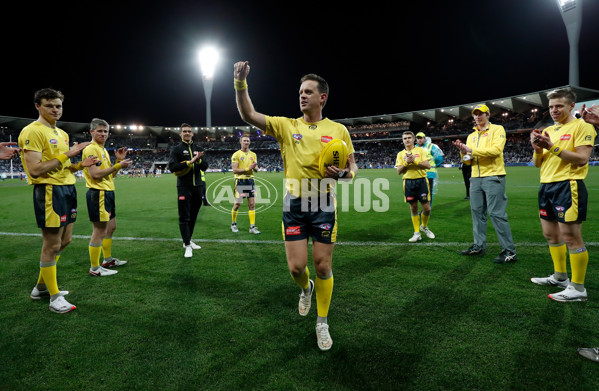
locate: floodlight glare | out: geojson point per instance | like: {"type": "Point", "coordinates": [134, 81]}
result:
{"type": "Point", "coordinates": [571, 11]}
{"type": "Point", "coordinates": [566, 5]}
{"type": "Point", "coordinates": [208, 60]}
{"type": "Point", "coordinates": [208, 57]}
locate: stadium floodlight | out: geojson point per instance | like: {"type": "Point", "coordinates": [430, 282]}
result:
{"type": "Point", "coordinates": [571, 11]}
{"type": "Point", "coordinates": [208, 57]}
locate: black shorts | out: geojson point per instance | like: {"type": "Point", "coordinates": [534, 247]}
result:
{"type": "Point", "coordinates": [416, 190]}
{"type": "Point", "coordinates": [54, 205]}
{"type": "Point", "coordinates": [244, 188]}
{"type": "Point", "coordinates": [310, 217]}
{"type": "Point", "coordinates": [100, 205]}
{"type": "Point", "coordinates": [564, 201]}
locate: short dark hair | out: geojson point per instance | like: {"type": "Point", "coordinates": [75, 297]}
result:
{"type": "Point", "coordinates": [185, 125]}
{"type": "Point", "coordinates": [562, 93]}
{"type": "Point", "coordinates": [48, 94]}
{"type": "Point", "coordinates": [323, 86]}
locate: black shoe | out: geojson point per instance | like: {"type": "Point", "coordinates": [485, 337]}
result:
{"type": "Point", "coordinates": [467, 197]}
{"type": "Point", "coordinates": [506, 256]}
{"type": "Point", "coordinates": [473, 250]}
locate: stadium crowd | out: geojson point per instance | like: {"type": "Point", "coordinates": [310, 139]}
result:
{"type": "Point", "coordinates": [376, 144]}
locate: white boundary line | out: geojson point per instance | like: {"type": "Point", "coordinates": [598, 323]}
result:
{"type": "Point", "coordinates": [244, 241]}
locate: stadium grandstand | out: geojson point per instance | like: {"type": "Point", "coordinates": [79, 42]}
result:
{"type": "Point", "coordinates": [377, 138]}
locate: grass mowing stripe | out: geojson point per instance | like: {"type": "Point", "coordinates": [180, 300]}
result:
{"type": "Point", "coordinates": [234, 241]}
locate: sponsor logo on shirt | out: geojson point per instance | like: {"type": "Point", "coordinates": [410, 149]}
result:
{"type": "Point", "coordinates": [297, 136]}
{"type": "Point", "coordinates": [566, 137]}
{"type": "Point", "coordinates": [326, 139]}
{"type": "Point", "coordinates": [53, 141]}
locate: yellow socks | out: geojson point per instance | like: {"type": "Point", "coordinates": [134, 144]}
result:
{"type": "Point", "coordinates": [579, 259]}
{"type": "Point", "coordinates": [107, 248]}
{"type": "Point", "coordinates": [252, 214]}
{"type": "Point", "coordinates": [234, 215]}
{"type": "Point", "coordinates": [48, 274]}
{"type": "Point", "coordinates": [40, 279]}
{"type": "Point", "coordinates": [323, 286]}
{"type": "Point", "coordinates": [558, 256]}
{"type": "Point", "coordinates": [303, 280]}
{"type": "Point", "coordinates": [94, 254]}
{"type": "Point", "coordinates": [416, 223]}
{"type": "Point", "coordinates": [425, 220]}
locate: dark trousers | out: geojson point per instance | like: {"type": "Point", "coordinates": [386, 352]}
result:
{"type": "Point", "coordinates": [466, 173]}
{"type": "Point", "coordinates": [190, 202]}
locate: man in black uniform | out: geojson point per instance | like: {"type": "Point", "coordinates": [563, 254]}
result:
{"type": "Point", "coordinates": [186, 162]}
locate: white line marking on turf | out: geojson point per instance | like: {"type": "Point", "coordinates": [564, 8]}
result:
{"type": "Point", "coordinates": [246, 241]}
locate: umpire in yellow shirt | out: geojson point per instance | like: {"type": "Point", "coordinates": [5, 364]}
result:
{"type": "Point", "coordinates": [562, 151]}
{"type": "Point", "coordinates": [301, 140]}
{"type": "Point", "coordinates": [484, 152]}
{"type": "Point", "coordinates": [101, 206]}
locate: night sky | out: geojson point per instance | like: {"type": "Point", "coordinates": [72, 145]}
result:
{"type": "Point", "coordinates": [137, 63]}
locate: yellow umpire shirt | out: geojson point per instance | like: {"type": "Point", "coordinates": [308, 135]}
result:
{"type": "Point", "coordinates": [106, 182]}
{"type": "Point", "coordinates": [574, 134]}
{"type": "Point", "coordinates": [413, 171]}
{"type": "Point", "coordinates": [301, 143]}
{"type": "Point", "coordinates": [244, 160]}
{"type": "Point", "coordinates": [50, 143]}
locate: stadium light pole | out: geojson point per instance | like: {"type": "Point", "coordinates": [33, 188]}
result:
{"type": "Point", "coordinates": [571, 11]}
{"type": "Point", "coordinates": [208, 60]}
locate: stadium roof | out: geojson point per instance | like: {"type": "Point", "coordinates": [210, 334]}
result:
{"type": "Point", "coordinates": [519, 103]}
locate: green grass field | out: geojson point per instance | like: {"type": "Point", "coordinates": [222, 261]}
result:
{"type": "Point", "coordinates": [403, 317]}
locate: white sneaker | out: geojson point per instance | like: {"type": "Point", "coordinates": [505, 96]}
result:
{"type": "Point", "coordinates": [193, 245]}
{"type": "Point", "coordinates": [305, 300]}
{"type": "Point", "coordinates": [590, 353]}
{"type": "Point", "coordinates": [188, 251]}
{"type": "Point", "coordinates": [36, 294]}
{"type": "Point", "coordinates": [60, 305]}
{"type": "Point", "coordinates": [569, 294]}
{"type": "Point", "coordinates": [254, 230]}
{"type": "Point", "coordinates": [417, 236]}
{"type": "Point", "coordinates": [551, 281]}
{"type": "Point", "coordinates": [429, 234]}
{"type": "Point", "coordinates": [113, 262]}
{"type": "Point", "coordinates": [101, 272]}
{"type": "Point", "coordinates": [234, 227]}
{"type": "Point", "coordinates": [323, 337]}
